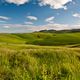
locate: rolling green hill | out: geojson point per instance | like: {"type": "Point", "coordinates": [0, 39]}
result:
{"type": "Point", "coordinates": [45, 39]}
{"type": "Point", "coordinates": [40, 56]}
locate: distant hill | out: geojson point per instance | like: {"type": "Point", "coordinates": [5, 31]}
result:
{"type": "Point", "coordinates": [60, 31]}
{"type": "Point", "coordinates": [42, 38]}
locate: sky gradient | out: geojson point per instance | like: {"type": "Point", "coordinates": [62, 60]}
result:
{"type": "Point", "coordinates": [32, 15]}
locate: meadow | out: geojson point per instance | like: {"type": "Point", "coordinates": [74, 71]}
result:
{"type": "Point", "coordinates": [40, 56]}
{"type": "Point", "coordinates": [42, 39]}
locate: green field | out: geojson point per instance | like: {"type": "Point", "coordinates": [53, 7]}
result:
{"type": "Point", "coordinates": [40, 56]}
{"type": "Point", "coordinates": [44, 39]}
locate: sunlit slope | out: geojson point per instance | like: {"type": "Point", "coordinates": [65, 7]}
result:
{"type": "Point", "coordinates": [55, 39]}
{"type": "Point", "coordinates": [49, 39]}
{"type": "Point", "coordinates": [10, 38]}
{"type": "Point", "coordinates": [26, 62]}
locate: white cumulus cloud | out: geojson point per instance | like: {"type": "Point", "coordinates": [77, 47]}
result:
{"type": "Point", "coordinates": [21, 28]}
{"type": "Point", "coordinates": [77, 15]}
{"type": "Point", "coordinates": [32, 18]}
{"type": "Point", "coordinates": [18, 2]}
{"type": "Point", "coordinates": [6, 27]}
{"type": "Point", "coordinates": [55, 4]}
{"type": "Point", "coordinates": [4, 18]}
{"type": "Point", "coordinates": [50, 19]}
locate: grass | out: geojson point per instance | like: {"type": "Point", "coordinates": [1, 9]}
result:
{"type": "Point", "coordinates": [23, 56]}
{"type": "Point", "coordinates": [39, 63]}
{"type": "Point", "coordinates": [50, 39]}
{"type": "Point", "coordinates": [44, 39]}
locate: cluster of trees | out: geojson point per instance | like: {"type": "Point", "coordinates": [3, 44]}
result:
{"type": "Point", "coordinates": [60, 31]}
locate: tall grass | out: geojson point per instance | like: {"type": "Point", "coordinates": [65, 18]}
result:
{"type": "Point", "coordinates": [39, 63]}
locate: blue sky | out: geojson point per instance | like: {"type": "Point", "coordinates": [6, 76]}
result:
{"type": "Point", "coordinates": [32, 15]}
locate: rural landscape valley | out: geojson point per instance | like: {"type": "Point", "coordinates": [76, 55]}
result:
{"type": "Point", "coordinates": [40, 56]}
{"type": "Point", "coordinates": [39, 39]}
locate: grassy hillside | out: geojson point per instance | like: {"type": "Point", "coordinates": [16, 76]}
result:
{"type": "Point", "coordinates": [34, 56]}
{"type": "Point", "coordinates": [29, 62]}
{"type": "Point", "coordinates": [49, 39]}
{"type": "Point", "coordinates": [10, 38]}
